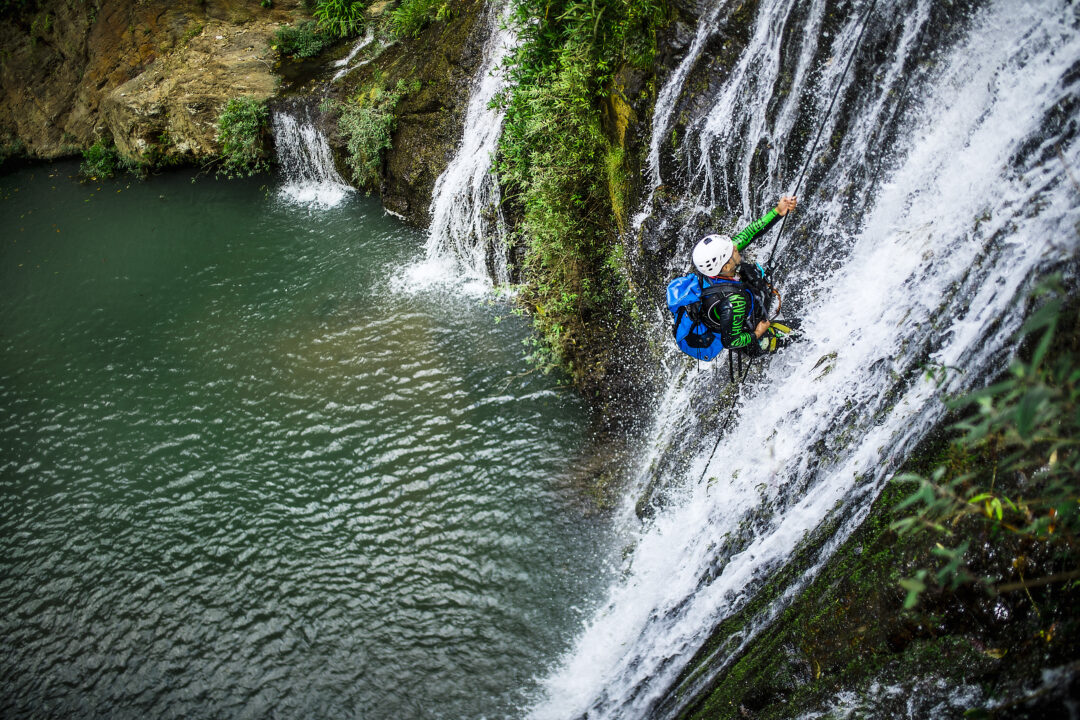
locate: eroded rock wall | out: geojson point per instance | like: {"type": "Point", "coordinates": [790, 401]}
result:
{"type": "Point", "coordinates": [152, 75]}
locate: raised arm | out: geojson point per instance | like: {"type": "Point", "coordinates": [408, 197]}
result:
{"type": "Point", "coordinates": [742, 239]}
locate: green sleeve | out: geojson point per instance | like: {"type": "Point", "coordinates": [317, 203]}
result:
{"type": "Point", "coordinates": [755, 228]}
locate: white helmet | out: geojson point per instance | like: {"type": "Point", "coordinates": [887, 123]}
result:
{"type": "Point", "coordinates": [711, 253]}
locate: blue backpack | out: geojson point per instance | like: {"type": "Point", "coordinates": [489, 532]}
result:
{"type": "Point", "coordinates": [692, 335]}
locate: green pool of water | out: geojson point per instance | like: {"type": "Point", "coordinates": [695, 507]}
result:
{"type": "Point", "coordinates": [247, 470]}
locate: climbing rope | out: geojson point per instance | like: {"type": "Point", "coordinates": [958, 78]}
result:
{"type": "Point", "coordinates": [795, 191]}
{"type": "Point", "coordinates": [821, 129]}
{"type": "Point", "coordinates": [727, 418]}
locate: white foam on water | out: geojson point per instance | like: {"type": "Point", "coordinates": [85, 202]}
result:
{"type": "Point", "coordinates": [305, 159]}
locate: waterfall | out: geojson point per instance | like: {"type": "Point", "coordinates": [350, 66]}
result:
{"type": "Point", "coordinates": [467, 228]}
{"type": "Point", "coordinates": [305, 160]}
{"type": "Point", "coordinates": [941, 190]}
{"type": "Point", "coordinates": [343, 63]}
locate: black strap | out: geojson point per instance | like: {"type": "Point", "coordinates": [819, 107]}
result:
{"type": "Point", "coordinates": [678, 320]}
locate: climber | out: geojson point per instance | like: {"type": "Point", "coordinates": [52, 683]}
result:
{"type": "Point", "coordinates": [725, 303]}
{"type": "Point", "coordinates": [737, 308]}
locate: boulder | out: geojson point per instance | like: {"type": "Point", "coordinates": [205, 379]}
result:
{"type": "Point", "coordinates": [169, 111]}
{"type": "Point", "coordinates": [74, 73]}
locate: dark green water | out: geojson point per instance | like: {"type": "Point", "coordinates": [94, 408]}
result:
{"type": "Point", "coordinates": [244, 474]}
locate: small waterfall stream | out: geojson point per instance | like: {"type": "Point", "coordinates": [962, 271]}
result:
{"type": "Point", "coordinates": [466, 223]}
{"type": "Point", "coordinates": [305, 159]}
{"type": "Point", "coordinates": [940, 192]}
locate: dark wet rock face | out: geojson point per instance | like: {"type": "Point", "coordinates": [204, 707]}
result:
{"type": "Point", "coordinates": [430, 120]}
{"type": "Point", "coordinates": [439, 67]}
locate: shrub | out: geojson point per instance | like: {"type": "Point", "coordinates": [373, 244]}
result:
{"type": "Point", "coordinates": [562, 176]}
{"type": "Point", "coordinates": [412, 16]}
{"type": "Point", "coordinates": [1017, 484]}
{"type": "Point", "coordinates": [11, 147]}
{"type": "Point", "coordinates": [340, 18]}
{"type": "Point", "coordinates": [367, 122]}
{"type": "Point", "coordinates": [100, 160]}
{"type": "Point", "coordinates": [240, 132]}
{"type": "Point", "coordinates": [303, 40]}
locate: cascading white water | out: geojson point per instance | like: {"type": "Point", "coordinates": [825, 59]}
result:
{"type": "Point", "coordinates": [306, 161]}
{"type": "Point", "coordinates": [466, 223]}
{"type": "Point", "coordinates": [343, 63]}
{"type": "Point", "coordinates": [971, 202]}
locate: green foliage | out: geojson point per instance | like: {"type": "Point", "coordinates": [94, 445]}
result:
{"type": "Point", "coordinates": [240, 132]}
{"type": "Point", "coordinates": [367, 122]}
{"type": "Point", "coordinates": [303, 41]}
{"type": "Point", "coordinates": [563, 176]}
{"type": "Point", "coordinates": [340, 18]}
{"type": "Point", "coordinates": [11, 147]}
{"type": "Point", "coordinates": [100, 160]}
{"type": "Point", "coordinates": [41, 25]}
{"type": "Point", "coordinates": [1018, 474]}
{"type": "Point", "coordinates": [412, 16]}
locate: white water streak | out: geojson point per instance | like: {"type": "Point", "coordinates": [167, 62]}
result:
{"type": "Point", "coordinates": [922, 273]}
{"type": "Point", "coordinates": [669, 93]}
{"type": "Point", "coordinates": [744, 95]}
{"type": "Point", "coordinates": [343, 63]}
{"type": "Point", "coordinates": [466, 222]}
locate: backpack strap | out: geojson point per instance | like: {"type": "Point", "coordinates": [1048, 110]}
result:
{"type": "Point", "coordinates": [688, 310]}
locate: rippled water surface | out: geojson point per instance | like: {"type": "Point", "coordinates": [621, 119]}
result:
{"type": "Point", "coordinates": [243, 473]}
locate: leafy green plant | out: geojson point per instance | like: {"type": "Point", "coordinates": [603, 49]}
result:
{"type": "Point", "coordinates": [100, 160]}
{"type": "Point", "coordinates": [11, 147]}
{"type": "Point", "coordinates": [303, 41]}
{"type": "Point", "coordinates": [367, 122]}
{"type": "Point", "coordinates": [241, 126]}
{"type": "Point", "coordinates": [1019, 474]}
{"type": "Point", "coordinates": [340, 18]}
{"type": "Point", "coordinates": [412, 16]}
{"type": "Point", "coordinates": [563, 176]}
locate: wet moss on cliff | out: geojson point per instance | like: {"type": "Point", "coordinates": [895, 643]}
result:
{"type": "Point", "coordinates": [563, 171]}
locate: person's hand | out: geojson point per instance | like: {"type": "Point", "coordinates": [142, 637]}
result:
{"type": "Point", "coordinates": [787, 204]}
{"type": "Point", "coordinates": [761, 328]}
